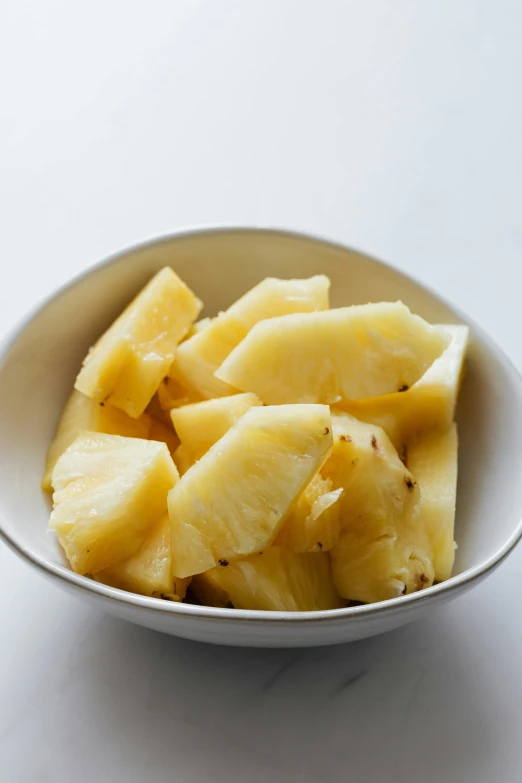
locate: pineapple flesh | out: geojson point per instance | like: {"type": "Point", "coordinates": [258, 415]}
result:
{"type": "Point", "coordinates": [199, 357]}
{"type": "Point", "coordinates": [163, 432]}
{"type": "Point", "coordinates": [313, 524]}
{"type": "Point", "coordinates": [324, 357]}
{"type": "Point", "coordinates": [432, 458]}
{"type": "Point", "coordinates": [109, 491]}
{"type": "Point", "coordinates": [233, 501]}
{"type": "Point", "coordinates": [384, 550]}
{"type": "Point", "coordinates": [276, 580]}
{"type": "Point", "coordinates": [202, 424]}
{"type": "Point", "coordinates": [148, 571]}
{"type": "Point", "coordinates": [127, 363]}
{"type": "Point", "coordinates": [81, 413]}
{"type": "Point", "coordinates": [429, 404]}
{"type": "Point", "coordinates": [183, 458]}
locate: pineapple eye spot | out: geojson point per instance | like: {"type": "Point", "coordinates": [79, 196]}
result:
{"type": "Point", "coordinates": [403, 388]}
{"type": "Point", "coordinates": [326, 430]}
{"type": "Point", "coordinates": [223, 562]}
{"type": "Point", "coordinates": [345, 438]}
{"type": "Point", "coordinates": [410, 483]}
{"type": "Point", "coordinates": [375, 445]}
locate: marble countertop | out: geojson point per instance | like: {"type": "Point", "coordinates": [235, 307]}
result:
{"type": "Point", "coordinates": [394, 127]}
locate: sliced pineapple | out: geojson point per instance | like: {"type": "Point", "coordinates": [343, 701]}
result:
{"type": "Point", "coordinates": [208, 591]}
{"type": "Point", "coordinates": [199, 357]}
{"type": "Point", "coordinates": [429, 404]}
{"type": "Point", "coordinates": [432, 458]}
{"type": "Point", "coordinates": [109, 492]}
{"type": "Point", "coordinates": [277, 580]}
{"type": "Point", "coordinates": [313, 524]}
{"type": "Point", "coordinates": [171, 394]}
{"type": "Point", "coordinates": [81, 413]}
{"type": "Point", "coordinates": [200, 425]}
{"type": "Point", "coordinates": [184, 459]}
{"type": "Point", "coordinates": [344, 354]}
{"type": "Point", "coordinates": [384, 550]}
{"type": "Point", "coordinates": [165, 433]}
{"type": "Point", "coordinates": [198, 326]}
{"type": "Point", "coordinates": [233, 501]}
{"type": "Point", "coordinates": [127, 363]}
{"type": "Point", "coordinates": [148, 571]}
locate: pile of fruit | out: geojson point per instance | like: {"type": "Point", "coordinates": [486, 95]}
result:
{"type": "Point", "coordinates": [280, 456]}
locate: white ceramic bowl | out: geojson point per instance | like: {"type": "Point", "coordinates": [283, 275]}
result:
{"type": "Point", "coordinates": [39, 361]}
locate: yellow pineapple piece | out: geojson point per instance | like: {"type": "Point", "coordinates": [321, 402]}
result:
{"type": "Point", "coordinates": [234, 500]}
{"type": "Point", "coordinates": [155, 410]}
{"type": "Point", "coordinates": [165, 433]}
{"type": "Point", "coordinates": [432, 458]}
{"type": "Point", "coordinates": [198, 326]}
{"type": "Point", "coordinates": [277, 580]}
{"type": "Point", "coordinates": [171, 394]}
{"type": "Point", "coordinates": [313, 524]}
{"type": "Point", "coordinates": [384, 550]}
{"type": "Point", "coordinates": [344, 354]}
{"type": "Point", "coordinates": [429, 404]}
{"type": "Point", "coordinates": [208, 590]}
{"type": "Point", "coordinates": [81, 413]}
{"type": "Point", "coordinates": [109, 492]}
{"type": "Point", "coordinates": [198, 357]}
{"type": "Point", "coordinates": [149, 570]}
{"type": "Point", "coordinates": [127, 363]}
{"type": "Point", "coordinates": [183, 458]}
{"type": "Point", "coordinates": [202, 424]}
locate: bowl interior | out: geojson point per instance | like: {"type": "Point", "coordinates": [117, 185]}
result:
{"type": "Point", "coordinates": [39, 364]}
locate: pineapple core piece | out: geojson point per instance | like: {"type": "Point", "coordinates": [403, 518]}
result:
{"type": "Point", "coordinates": [313, 524]}
{"type": "Point", "coordinates": [277, 580]}
{"type": "Point", "coordinates": [233, 501]}
{"type": "Point", "coordinates": [148, 571]}
{"type": "Point", "coordinates": [200, 356]}
{"type": "Point", "coordinates": [384, 550]}
{"type": "Point", "coordinates": [109, 492]}
{"type": "Point", "coordinates": [126, 365]}
{"type": "Point", "coordinates": [324, 357]}
{"type": "Point", "coordinates": [202, 424]}
{"type": "Point", "coordinates": [81, 413]}
{"type": "Point", "coordinates": [429, 404]}
{"type": "Point", "coordinates": [432, 458]}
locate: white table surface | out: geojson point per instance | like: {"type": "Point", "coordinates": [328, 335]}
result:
{"type": "Point", "coordinates": [391, 126]}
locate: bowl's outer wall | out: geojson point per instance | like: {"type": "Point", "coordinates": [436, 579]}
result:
{"type": "Point", "coordinates": [38, 369]}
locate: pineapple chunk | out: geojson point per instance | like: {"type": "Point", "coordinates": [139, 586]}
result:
{"type": "Point", "coordinates": [164, 433]}
{"type": "Point", "coordinates": [199, 357]}
{"type": "Point", "coordinates": [208, 590]}
{"type": "Point", "coordinates": [432, 458]}
{"type": "Point", "coordinates": [344, 354]}
{"type": "Point", "coordinates": [429, 404]}
{"type": "Point", "coordinates": [184, 459]}
{"type": "Point", "coordinates": [202, 424]}
{"type": "Point", "coordinates": [109, 492]}
{"type": "Point", "coordinates": [171, 394]}
{"type": "Point", "coordinates": [81, 413]}
{"type": "Point", "coordinates": [149, 571]}
{"type": "Point", "coordinates": [313, 524]}
{"type": "Point", "coordinates": [127, 363]}
{"type": "Point", "coordinates": [234, 500]}
{"type": "Point", "coordinates": [198, 326]}
{"type": "Point", "coordinates": [384, 550]}
{"type": "Point", "coordinates": [277, 580]}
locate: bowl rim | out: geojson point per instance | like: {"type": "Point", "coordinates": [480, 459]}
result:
{"type": "Point", "coordinates": [87, 585]}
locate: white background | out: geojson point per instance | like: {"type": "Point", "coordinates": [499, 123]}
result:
{"type": "Point", "coordinates": [394, 127]}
